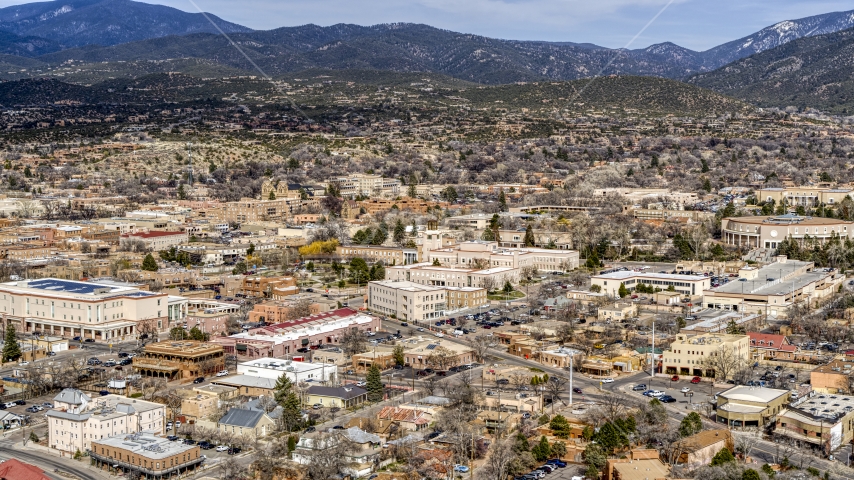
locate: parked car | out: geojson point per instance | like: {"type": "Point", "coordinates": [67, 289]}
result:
{"type": "Point", "coordinates": [577, 390]}
{"type": "Point", "coordinates": [674, 378]}
{"type": "Point", "coordinates": [317, 406]}
{"type": "Point", "coordinates": [206, 445]}
{"type": "Point", "coordinates": [90, 340]}
{"type": "Point", "coordinates": [685, 389]}
{"type": "Point", "coordinates": [666, 399]}
{"type": "Point", "coordinates": [461, 468]}
{"type": "Point", "coordinates": [199, 380]}
{"type": "Point", "coordinates": [695, 380]}
{"type": "Point", "coordinates": [559, 463]}
{"type": "Point", "coordinates": [172, 438]}
{"type": "Point", "coordinates": [607, 380]}
{"type": "Point", "coordinates": [234, 450]}
{"type": "Point", "coordinates": [362, 384]}
{"type": "Point", "coordinates": [222, 448]}
{"type": "Point", "coordinates": [222, 373]}
{"type": "Point", "coordinates": [639, 387]}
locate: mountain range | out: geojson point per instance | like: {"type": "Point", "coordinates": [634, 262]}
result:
{"type": "Point", "coordinates": [74, 23]}
{"type": "Point", "coordinates": [44, 38]}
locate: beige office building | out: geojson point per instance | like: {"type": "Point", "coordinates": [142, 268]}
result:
{"type": "Point", "coordinates": [689, 355]}
{"type": "Point", "coordinates": [407, 301]}
{"type": "Point", "coordinates": [743, 406]}
{"type": "Point", "coordinates": [803, 196]}
{"type": "Point", "coordinates": [768, 232]}
{"type": "Point", "coordinates": [771, 290]}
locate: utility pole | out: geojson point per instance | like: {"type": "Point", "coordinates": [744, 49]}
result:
{"type": "Point", "coordinates": [570, 382]}
{"type": "Point", "coordinates": [652, 352]}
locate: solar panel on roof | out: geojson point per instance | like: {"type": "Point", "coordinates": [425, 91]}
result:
{"type": "Point", "coordinates": [431, 346]}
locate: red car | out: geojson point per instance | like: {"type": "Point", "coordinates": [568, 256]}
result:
{"type": "Point", "coordinates": [695, 380]}
{"type": "Point", "coordinates": [675, 378]}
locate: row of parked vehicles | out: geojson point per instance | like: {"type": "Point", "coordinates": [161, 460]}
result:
{"type": "Point", "coordinates": [205, 445]}
{"type": "Point", "coordinates": [659, 394]}
{"type": "Point", "coordinates": [542, 470]}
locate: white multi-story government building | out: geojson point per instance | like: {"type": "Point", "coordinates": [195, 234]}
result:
{"type": "Point", "coordinates": [101, 311]}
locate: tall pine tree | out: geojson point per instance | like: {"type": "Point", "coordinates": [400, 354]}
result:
{"type": "Point", "coordinates": [375, 384]}
{"type": "Point", "coordinates": [149, 264]}
{"type": "Point", "coordinates": [11, 349]}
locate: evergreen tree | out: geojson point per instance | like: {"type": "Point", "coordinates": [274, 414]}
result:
{"type": "Point", "coordinates": [722, 457]}
{"type": "Point", "coordinates": [378, 272]}
{"type": "Point", "coordinates": [542, 450]}
{"type": "Point", "coordinates": [399, 234]}
{"type": "Point", "coordinates": [529, 236]}
{"type": "Point", "coordinates": [502, 201]}
{"type": "Point", "coordinates": [182, 193]}
{"type": "Point", "coordinates": [197, 334]}
{"type": "Point", "coordinates": [623, 291]}
{"type": "Point", "coordinates": [272, 195]}
{"type": "Point", "coordinates": [11, 349]}
{"type": "Point", "coordinates": [560, 426]}
{"type": "Point", "coordinates": [375, 384]}
{"type": "Point", "coordinates": [397, 353]}
{"type": "Point", "coordinates": [149, 264]}
{"type": "Point", "coordinates": [750, 474]}
{"type": "Point", "coordinates": [707, 185]}
{"type": "Point", "coordinates": [291, 412]}
{"type": "Point", "coordinates": [691, 424]}
{"type": "Point", "coordinates": [282, 388]}
{"type": "Point", "coordinates": [704, 165]}
{"type": "Point", "coordinates": [559, 449]}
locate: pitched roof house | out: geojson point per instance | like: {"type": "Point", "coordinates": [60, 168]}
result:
{"type": "Point", "coordinates": [242, 421]}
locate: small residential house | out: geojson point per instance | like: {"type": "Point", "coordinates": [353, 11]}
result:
{"type": "Point", "coordinates": [409, 419]}
{"type": "Point", "coordinates": [771, 347]}
{"type": "Point", "coordinates": [254, 423]}
{"type": "Point", "coordinates": [341, 397]}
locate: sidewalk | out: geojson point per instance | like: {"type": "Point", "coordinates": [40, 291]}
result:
{"type": "Point", "coordinates": [43, 451]}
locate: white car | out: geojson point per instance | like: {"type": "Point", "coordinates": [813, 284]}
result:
{"type": "Point", "coordinates": [607, 380]}
{"type": "Point", "coordinates": [10, 405]}
{"type": "Point", "coordinates": [656, 393]}
{"type": "Point", "coordinates": [685, 389]}
{"type": "Point", "coordinates": [440, 334]}
{"type": "Point", "coordinates": [361, 384]}
{"type": "Point", "coordinates": [420, 329]}
{"type": "Point", "coordinates": [222, 448]}
{"type": "Point", "coordinates": [23, 364]}
{"type": "Point", "coordinates": [223, 373]}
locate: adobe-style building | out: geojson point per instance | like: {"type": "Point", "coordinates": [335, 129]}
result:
{"type": "Point", "coordinates": [180, 360]}
{"type": "Point", "coordinates": [101, 311]}
{"type": "Point", "coordinates": [743, 406]}
{"type": "Point", "coordinates": [145, 455]}
{"type": "Point", "coordinates": [768, 232]}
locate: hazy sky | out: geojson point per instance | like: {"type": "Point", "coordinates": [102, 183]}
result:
{"type": "Point", "coordinates": [696, 24]}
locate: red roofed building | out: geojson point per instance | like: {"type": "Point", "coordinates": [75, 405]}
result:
{"type": "Point", "coordinates": [297, 336]}
{"type": "Point", "coordinates": [771, 347]}
{"type": "Point", "coordinates": [13, 469]}
{"type": "Point", "coordinates": [409, 419]}
{"type": "Point", "coordinates": [157, 241]}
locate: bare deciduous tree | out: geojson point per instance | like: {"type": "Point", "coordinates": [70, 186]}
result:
{"type": "Point", "coordinates": [353, 341]}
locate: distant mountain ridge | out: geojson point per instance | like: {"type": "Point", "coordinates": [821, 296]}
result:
{"type": "Point", "coordinates": [158, 33]}
{"type": "Point", "coordinates": [816, 71]}
{"type": "Point", "coordinates": [74, 23]}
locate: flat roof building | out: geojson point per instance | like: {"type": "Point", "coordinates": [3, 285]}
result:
{"type": "Point", "coordinates": [743, 406]}
{"type": "Point", "coordinates": [684, 284]}
{"type": "Point", "coordinates": [273, 368]}
{"type": "Point", "coordinates": [407, 301]}
{"type": "Point", "coordinates": [771, 290]}
{"type": "Point", "coordinates": [768, 232]}
{"type": "Point", "coordinates": [102, 311]}
{"type": "Point", "coordinates": [146, 455]}
{"type": "Point", "coordinates": [180, 359]}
